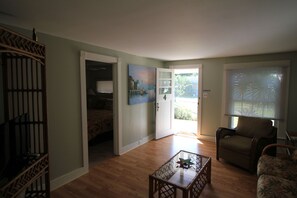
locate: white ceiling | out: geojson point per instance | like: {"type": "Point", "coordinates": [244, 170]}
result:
{"type": "Point", "coordinates": [164, 29]}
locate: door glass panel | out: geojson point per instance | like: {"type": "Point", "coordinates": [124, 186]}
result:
{"type": "Point", "coordinates": [165, 74]}
{"type": "Point", "coordinates": [165, 91]}
{"type": "Point", "coordinates": [165, 82]}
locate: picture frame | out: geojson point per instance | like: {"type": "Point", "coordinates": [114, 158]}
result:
{"type": "Point", "coordinates": [141, 84]}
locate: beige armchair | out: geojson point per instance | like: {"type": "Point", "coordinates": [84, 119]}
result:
{"type": "Point", "coordinates": [243, 145]}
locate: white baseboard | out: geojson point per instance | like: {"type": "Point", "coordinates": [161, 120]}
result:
{"type": "Point", "coordinates": [134, 145]}
{"type": "Point", "coordinates": [64, 179]}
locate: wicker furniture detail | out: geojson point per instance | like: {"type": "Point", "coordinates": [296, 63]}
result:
{"type": "Point", "coordinates": [24, 95]}
{"type": "Point", "coordinates": [16, 43]}
{"type": "Point", "coordinates": [170, 180]}
{"type": "Point", "coordinates": [36, 168]}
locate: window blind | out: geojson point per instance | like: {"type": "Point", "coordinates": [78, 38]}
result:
{"type": "Point", "coordinates": [256, 92]}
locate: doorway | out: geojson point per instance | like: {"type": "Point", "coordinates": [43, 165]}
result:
{"type": "Point", "coordinates": [113, 100]}
{"type": "Point", "coordinates": [186, 108]}
{"type": "Point", "coordinates": [99, 86]}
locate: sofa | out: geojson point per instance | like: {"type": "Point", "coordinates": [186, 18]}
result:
{"type": "Point", "coordinates": [277, 176]}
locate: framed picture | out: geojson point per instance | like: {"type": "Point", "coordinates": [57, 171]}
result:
{"type": "Point", "coordinates": [141, 84]}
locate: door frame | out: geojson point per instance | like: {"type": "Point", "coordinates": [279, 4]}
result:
{"type": "Point", "coordinates": [200, 98]}
{"type": "Point", "coordinates": [117, 129]}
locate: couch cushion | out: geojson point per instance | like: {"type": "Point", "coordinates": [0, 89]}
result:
{"type": "Point", "coordinates": [237, 143]}
{"type": "Point", "coordinates": [271, 186]}
{"type": "Point", "coordinates": [254, 127]}
{"type": "Point", "coordinates": [276, 166]}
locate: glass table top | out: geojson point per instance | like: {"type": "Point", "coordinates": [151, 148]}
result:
{"type": "Point", "coordinates": [173, 173]}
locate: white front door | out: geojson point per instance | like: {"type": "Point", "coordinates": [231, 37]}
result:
{"type": "Point", "coordinates": [164, 103]}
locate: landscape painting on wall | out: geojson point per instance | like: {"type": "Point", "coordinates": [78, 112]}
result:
{"type": "Point", "coordinates": [141, 84]}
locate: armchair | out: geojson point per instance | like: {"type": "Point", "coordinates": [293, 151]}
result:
{"type": "Point", "coordinates": [243, 145]}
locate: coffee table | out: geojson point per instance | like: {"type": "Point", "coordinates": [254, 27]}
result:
{"type": "Point", "coordinates": [172, 181]}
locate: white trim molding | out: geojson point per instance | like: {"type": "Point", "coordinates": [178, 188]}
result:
{"type": "Point", "coordinates": [64, 179]}
{"type": "Point", "coordinates": [117, 131]}
{"type": "Point", "coordinates": [134, 145]}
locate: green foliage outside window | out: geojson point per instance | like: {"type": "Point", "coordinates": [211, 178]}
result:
{"type": "Point", "coordinates": [184, 85]}
{"type": "Point", "coordinates": [184, 114]}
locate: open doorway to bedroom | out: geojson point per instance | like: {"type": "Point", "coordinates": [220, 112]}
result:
{"type": "Point", "coordinates": [100, 87]}
{"type": "Point", "coordinates": [99, 94]}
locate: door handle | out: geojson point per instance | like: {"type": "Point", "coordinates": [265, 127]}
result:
{"type": "Point", "coordinates": [157, 106]}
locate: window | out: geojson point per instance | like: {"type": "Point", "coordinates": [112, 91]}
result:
{"type": "Point", "coordinates": [256, 90]}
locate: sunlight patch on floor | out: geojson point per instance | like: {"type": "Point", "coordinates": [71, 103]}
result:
{"type": "Point", "coordinates": [186, 143]}
{"type": "Point", "coordinates": [185, 136]}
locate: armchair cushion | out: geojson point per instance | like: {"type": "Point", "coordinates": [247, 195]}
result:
{"type": "Point", "coordinates": [254, 127]}
{"type": "Point", "coordinates": [238, 143]}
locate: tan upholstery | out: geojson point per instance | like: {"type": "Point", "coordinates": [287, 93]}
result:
{"type": "Point", "coordinates": [243, 145]}
{"type": "Point", "coordinates": [254, 127]}
{"type": "Point", "coordinates": [277, 176]}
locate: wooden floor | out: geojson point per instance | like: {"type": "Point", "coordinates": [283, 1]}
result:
{"type": "Point", "coordinates": [127, 175]}
{"type": "Point", "coordinates": [99, 152]}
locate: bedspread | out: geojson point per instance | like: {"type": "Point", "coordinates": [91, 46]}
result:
{"type": "Point", "coordinates": [99, 121]}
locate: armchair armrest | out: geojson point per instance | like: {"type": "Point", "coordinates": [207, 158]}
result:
{"type": "Point", "coordinates": [222, 132]}
{"type": "Point", "coordinates": [265, 150]}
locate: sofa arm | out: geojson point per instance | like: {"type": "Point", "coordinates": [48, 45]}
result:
{"type": "Point", "coordinates": [266, 149]}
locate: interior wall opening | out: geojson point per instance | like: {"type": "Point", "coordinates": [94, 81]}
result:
{"type": "Point", "coordinates": [99, 94]}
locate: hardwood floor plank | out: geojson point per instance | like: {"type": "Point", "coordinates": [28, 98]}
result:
{"type": "Point", "coordinates": [127, 175]}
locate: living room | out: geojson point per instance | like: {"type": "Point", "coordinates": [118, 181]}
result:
{"type": "Point", "coordinates": [138, 121]}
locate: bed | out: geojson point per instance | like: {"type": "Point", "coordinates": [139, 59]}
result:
{"type": "Point", "coordinates": [100, 121]}
{"type": "Point", "coordinates": [100, 117]}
